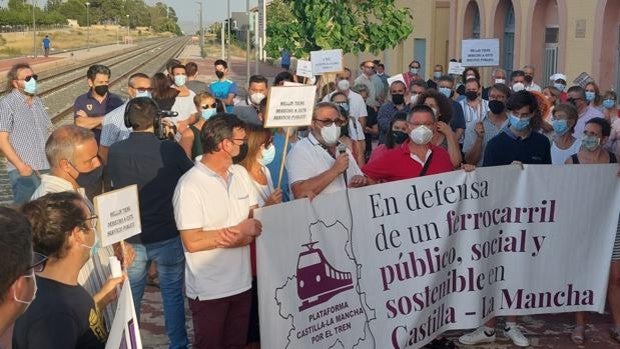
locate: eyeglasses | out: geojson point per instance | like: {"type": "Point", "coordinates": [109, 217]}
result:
{"type": "Point", "coordinates": [369, 67]}
{"type": "Point", "coordinates": [208, 106]}
{"type": "Point", "coordinates": [93, 220]}
{"type": "Point", "coordinates": [33, 76]}
{"type": "Point", "coordinates": [243, 140]}
{"type": "Point", "coordinates": [142, 89]}
{"type": "Point", "coordinates": [38, 262]}
{"type": "Point", "coordinates": [326, 123]}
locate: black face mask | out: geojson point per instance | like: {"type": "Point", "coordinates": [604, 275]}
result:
{"type": "Point", "coordinates": [101, 90]}
{"type": "Point", "coordinates": [219, 74]}
{"type": "Point", "coordinates": [471, 95]}
{"type": "Point", "coordinates": [398, 99]}
{"type": "Point", "coordinates": [496, 106]}
{"type": "Point", "coordinates": [89, 179]}
{"type": "Point", "coordinates": [529, 79]}
{"type": "Point", "coordinates": [243, 151]}
{"type": "Point", "coordinates": [399, 137]}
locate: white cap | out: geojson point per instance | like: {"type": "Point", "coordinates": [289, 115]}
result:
{"type": "Point", "coordinates": [557, 76]}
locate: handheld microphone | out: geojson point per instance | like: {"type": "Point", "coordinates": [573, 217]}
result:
{"type": "Point", "coordinates": [342, 149]}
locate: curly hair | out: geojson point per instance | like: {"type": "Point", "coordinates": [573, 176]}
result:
{"type": "Point", "coordinates": [443, 103]}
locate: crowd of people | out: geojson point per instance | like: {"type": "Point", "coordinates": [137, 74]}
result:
{"type": "Point", "coordinates": [202, 162]}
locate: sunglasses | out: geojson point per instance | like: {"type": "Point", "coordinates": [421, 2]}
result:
{"type": "Point", "coordinates": [208, 106]}
{"type": "Point", "coordinates": [33, 76]}
{"type": "Point", "coordinates": [38, 262]}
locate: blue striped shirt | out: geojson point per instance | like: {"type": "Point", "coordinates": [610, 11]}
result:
{"type": "Point", "coordinates": [28, 126]}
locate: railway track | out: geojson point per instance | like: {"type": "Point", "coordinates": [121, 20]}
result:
{"type": "Point", "coordinates": [59, 99]}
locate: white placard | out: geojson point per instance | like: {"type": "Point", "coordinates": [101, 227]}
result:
{"type": "Point", "coordinates": [125, 332]}
{"type": "Point", "coordinates": [289, 106]}
{"type": "Point", "coordinates": [397, 77]}
{"type": "Point", "coordinates": [304, 68]}
{"type": "Point", "coordinates": [455, 68]}
{"type": "Point", "coordinates": [480, 52]}
{"type": "Point", "coordinates": [326, 61]}
{"type": "Point", "coordinates": [119, 215]}
{"type": "Point", "coordinates": [396, 264]}
{"type": "Point", "coordinates": [291, 83]}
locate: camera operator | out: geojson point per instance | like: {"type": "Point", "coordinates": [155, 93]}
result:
{"type": "Point", "coordinates": [155, 166]}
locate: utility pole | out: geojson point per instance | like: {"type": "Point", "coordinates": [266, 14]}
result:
{"type": "Point", "coordinates": [247, 43]}
{"type": "Point", "coordinates": [127, 29]}
{"type": "Point", "coordinates": [34, 33]}
{"type": "Point", "coordinates": [222, 34]}
{"type": "Point", "coordinates": [88, 25]}
{"type": "Point", "coordinates": [202, 53]}
{"type": "Point", "coordinates": [228, 20]}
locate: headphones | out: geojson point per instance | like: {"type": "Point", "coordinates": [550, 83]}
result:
{"type": "Point", "coordinates": [133, 101]}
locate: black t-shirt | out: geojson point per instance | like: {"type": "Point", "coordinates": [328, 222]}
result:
{"type": "Point", "coordinates": [505, 148]}
{"type": "Point", "coordinates": [62, 316]}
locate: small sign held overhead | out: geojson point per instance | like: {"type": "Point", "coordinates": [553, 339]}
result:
{"type": "Point", "coordinates": [119, 215]}
{"type": "Point", "coordinates": [304, 68]}
{"type": "Point", "coordinates": [480, 52]}
{"type": "Point", "coordinates": [289, 106]}
{"type": "Point", "coordinates": [326, 61]}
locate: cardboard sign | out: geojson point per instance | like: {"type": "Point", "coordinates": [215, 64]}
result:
{"type": "Point", "coordinates": [291, 83]}
{"type": "Point", "coordinates": [290, 106]}
{"type": "Point", "coordinates": [480, 52]}
{"type": "Point", "coordinates": [304, 68]}
{"type": "Point", "coordinates": [398, 77]}
{"type": "Point", "coordinates": [125, 332]}
{"type": "Point", "coordinates": [119, 215]}
{"type": "Point", "coordinates": [455, 68]}
{"type": "Point", "coordinates": [326, 61]}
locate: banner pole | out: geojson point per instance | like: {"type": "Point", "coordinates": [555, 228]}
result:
{"type": "Point", "coordinates": [124, 264]}
{"type": "Point", "coordinates": [288, 134]}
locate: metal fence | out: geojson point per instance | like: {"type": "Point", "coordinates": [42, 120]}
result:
{"type": "Point", "coordinates": [21, 28]}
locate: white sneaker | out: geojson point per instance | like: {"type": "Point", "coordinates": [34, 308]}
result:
{"type": "Point", "coordinates": [478, 336]}
{"type": "Point", "coordinates": [518, 339]}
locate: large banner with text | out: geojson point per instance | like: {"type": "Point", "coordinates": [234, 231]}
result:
{"type": "Point", "coordinates": [396, 264]}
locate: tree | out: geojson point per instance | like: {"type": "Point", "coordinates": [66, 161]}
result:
{"type": "Point", "coordinates": [301, 26]}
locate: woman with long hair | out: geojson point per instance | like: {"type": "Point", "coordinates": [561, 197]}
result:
{"type": "Point", "coordinates": [206, 106]}
{"type": "Point", "coordinates": [163, 93]}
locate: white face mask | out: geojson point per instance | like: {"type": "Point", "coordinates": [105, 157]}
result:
{"type": "Point", "coordinates": [330, 134]}
{"type": "Point", "coordinates": [413, 99]}
{"type": "Point", "coordinates": [421, 135]}
{"type": "Point", "coordinates": [500, 81]}
{"type": "Point", "coordinates": [257, 97]}
{"type": "Point", "coordinates": [267, 155]}
{"type": "Point", "coordinates": [518, 86]}
{"type": "Point", "coordinates": [34, 294]}
{"type": "Point", "coordinates": [343, 85]}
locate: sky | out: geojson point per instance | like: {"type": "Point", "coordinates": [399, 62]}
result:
{"type": "Point", "coordinates": [213, 11]}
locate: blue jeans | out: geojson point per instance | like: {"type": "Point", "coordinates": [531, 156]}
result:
{"type": "Point", "coordinates": [170, 260]}
{"type": "Point", "coordinates": [23, 187]}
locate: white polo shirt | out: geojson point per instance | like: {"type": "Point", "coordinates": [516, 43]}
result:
{"type": "Point", "coordinates": [309, 159]}
{"type": "Point", "coordinates": [203, 199]}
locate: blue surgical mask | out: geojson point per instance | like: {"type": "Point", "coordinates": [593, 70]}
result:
{"type": "Point", "coordinates": [268, 154]}
{"type": "Point", "coordinates": [208, 113]}
{"type": "Point", "coordinates": [30, 86]}
{"type": "Point", "coordinates": [445, 91]}
{"type": "Point", "coordinates": [179, 80]}
{"type": "Point", "coordinates": [143, 94]}
{"type": "Point", "coordinates": [559, 86]}
{"type": "Point", "coordinates": [560, 126]}
{"type": "Point", "coordinates": [590, 95]}
{"type": "Point", "coordinates": [437, 74]}
{"type": "Point", "coordinates": [519, 124]}
{"type": "Point", "coordinates": [590, 142]}
{"type": "Point", "coordinates": [414, 70]}
{"type": "Point", "coordinates": [609, 103]}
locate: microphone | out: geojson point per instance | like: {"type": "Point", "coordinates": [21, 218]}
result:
{"type": "Point", "coordinates": [342, 149]}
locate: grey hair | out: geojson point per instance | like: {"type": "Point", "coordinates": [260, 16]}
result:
{"type": "Point", "coordinates": [132, 79]}
{"type": "Point", "coordinates": [499, 70]}
{"type": "Point", "coordinates": [359, 88]}
{"type": "Point", "coordinates": [322, 105]}
{"type": "Point", "coordinates": [12, 74]}
{"type": "Point", "coordinates": [62, 142]}
{"type": "Point", "coordinates": [529, 66]}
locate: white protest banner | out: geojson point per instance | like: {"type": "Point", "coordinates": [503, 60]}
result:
{"type": "Point", "coordinates": [290, 106]}
{"type": "Point", "coordinates": [125, 332]}
{"type": "Point", "coordinates": [455, 68]}
{"type": "Point", "coordinates": [397, 77]}
{"type": "Point", "coordinates": [480, 52]}
{"type": "Point", "coordinates": [326, 61]}
{"type": "Point", "coordinates": [119, 215]}
{"type": "Point", "coordinates": [394, 265]}
{"type": "Point", "coordinates": [304, 68]}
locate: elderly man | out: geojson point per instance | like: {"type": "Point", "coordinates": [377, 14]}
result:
{"type": "Point", "coordinates": [498, 76]}
{"type": "Point", "coordinates": [530, 85]}
{"type": "Point", "coordinates": [24, 128]}
{"type": "Point", "coordinates": [577, 97]}
{"type": "Point", "coordinates": [316, 164]}
{"type": "Point", "coordinates": [72, 152]}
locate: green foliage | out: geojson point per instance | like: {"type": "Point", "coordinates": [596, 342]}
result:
{"type": "Point", "coordinates": [301, 26]}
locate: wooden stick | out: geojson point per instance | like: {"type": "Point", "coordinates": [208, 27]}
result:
{"type": "Point", "coordinates": [288, 134]}
{"type": "Point", "coordinates": [124, 264]}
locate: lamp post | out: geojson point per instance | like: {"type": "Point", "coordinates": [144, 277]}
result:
{"type": "Point", "coordinates": [87, 25]}
{"type": "Point", "coordinates": [228, 47]}
{"type": "Point", "coordinates": [201, 33]}
{"type": "Point", "coordinates": [127, 29]}
{"type": "Point", "coordinates": [34, 33]}
{"type": "Point", "coordinates": [247, 43]}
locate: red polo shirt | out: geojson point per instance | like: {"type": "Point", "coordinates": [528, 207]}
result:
{"type": "Point", "coordinates": [396, 164]}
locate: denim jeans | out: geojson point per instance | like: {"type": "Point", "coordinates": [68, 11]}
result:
{"type": "Point", "coordinates": [23, 187]}
{"type": "Point", "coordinates": [170, 261]}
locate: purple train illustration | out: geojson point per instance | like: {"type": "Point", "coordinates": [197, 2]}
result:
{"type": "Point", "coordinates": [317, 280]}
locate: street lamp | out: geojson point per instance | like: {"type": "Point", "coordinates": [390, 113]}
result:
{"type": "Point", "coordinates": [228, 47]}
{"type": "Point", "coordinates": [201, 32]}
{"type": "Point", "coordinates": [127, 29]}
{"type": "Point", "coordinates": [88, 25]}
{"type": "Point", "coordinates": [34, 33]}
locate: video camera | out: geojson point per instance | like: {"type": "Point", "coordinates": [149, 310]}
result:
{"type": "Point", "coordinates": [163, 126]}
